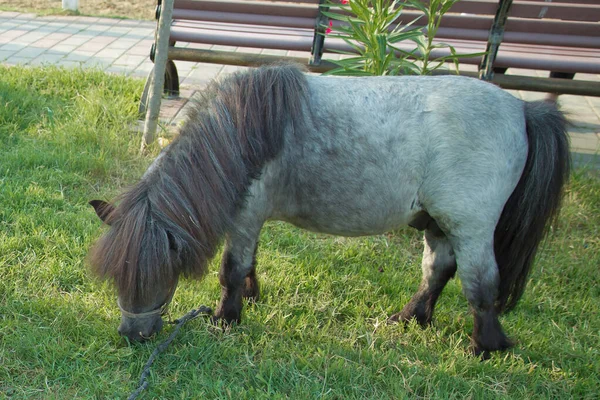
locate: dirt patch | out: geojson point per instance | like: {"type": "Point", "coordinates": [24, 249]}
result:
{"type": "Point", "coordinates": [136, 9]}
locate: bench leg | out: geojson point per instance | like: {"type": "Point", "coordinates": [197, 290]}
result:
{"type": "Point", "coordinates": [553, 97]}
{"type": "Point", "coordinates": [170, 88]}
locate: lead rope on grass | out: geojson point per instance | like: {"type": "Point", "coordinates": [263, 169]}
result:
{"type": "Point", "coordinates": [161, 347]}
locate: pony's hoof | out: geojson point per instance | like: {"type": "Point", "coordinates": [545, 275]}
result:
{"type": "Point", "coordinates": [224, 322]}
{"type": "Point", "coordinates": [405, 318]}
{"type": "Point", "coordinates": [395, 319]}
{"type": "Point", "coordinates": [485, 352]}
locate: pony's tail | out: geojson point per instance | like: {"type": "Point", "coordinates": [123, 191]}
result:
{"type": "Point", "coordinates": [534, 203]}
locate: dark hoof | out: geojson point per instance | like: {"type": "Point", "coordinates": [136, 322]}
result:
{"type": "Point", "coordinates": [488, 335]}
{"type": "Point", "coordinates": [405, 317]}
{"type": "Point", "coordinates": [219, 320]}
{"type": "Point", "coordinates": [484, 351]}
{"type": "Point", "coordinates": [396, 318]}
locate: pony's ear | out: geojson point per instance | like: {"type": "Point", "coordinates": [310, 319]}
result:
{"type": "Point", "coordinates": [103, 209]}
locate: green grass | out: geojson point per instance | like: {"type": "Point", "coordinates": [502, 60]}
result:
{"type": "Point", "coordinates": [319, 330]}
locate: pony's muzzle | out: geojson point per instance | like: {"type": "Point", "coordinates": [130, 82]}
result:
{"type": "Point", "coordinates": [139, 330]}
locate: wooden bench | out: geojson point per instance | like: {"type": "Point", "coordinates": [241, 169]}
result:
{"type": "Point", "coordinates": [274, 24]}
{"type": "Point", "coordinates": [559, 36]}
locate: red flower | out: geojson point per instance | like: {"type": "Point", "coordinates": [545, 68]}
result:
{"type": "Point", "coordinates": [328, 30]}
{"type": "Point", "coordinates": [345, 1]}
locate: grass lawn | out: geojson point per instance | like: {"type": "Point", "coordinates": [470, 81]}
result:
{"type": "Point", "coordinates": [319, 330]}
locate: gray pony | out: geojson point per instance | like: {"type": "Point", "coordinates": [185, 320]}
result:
{"type": "Point", "coordinates": [479, 171]}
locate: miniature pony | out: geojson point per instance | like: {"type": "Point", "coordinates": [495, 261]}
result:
{"type": "Point", "coordinates": [478, 170]}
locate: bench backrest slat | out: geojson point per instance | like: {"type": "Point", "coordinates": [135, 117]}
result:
{"type": "Point", "coordinates": [239, 18]}
{"type": "Point", "coordinates": [559, 9]}
{"type": "Point", "coordinates": [571, 12]}
{"type": "Point", "coordinates": [276, 8]}
{"type": "Point", "coordinates": [567, 1]}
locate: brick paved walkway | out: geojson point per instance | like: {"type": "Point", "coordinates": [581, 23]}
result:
{"type": "Point", "coordinates": [122, 46]}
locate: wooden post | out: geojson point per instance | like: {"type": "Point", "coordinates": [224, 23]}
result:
{"type": "Point", "coordinates": [158, 80]}
{"type": "Point", "coordinates": [72, 5]}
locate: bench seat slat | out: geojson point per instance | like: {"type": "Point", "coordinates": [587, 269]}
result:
{"type": "Point", "coordinates": [559, 51]}
{"type": "Point", "coordinates": [570, 28]}
{"type": "Point", "coordinates": [547, 62]}
{"type": "Point", "coordinates": [552, 39]}
{"type": "Point", "coordinates": [267, 39]}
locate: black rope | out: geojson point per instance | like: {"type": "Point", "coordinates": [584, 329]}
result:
{"type": "Point", "coordinates": [161, 347]}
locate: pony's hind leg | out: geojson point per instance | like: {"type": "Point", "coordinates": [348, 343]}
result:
{"type": "Point", "coordinates": [438, 265]}
{"type": "Point", "coordinates": [478, 272]}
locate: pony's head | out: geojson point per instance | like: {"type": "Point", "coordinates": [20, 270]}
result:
{"type": "Point", "coordinates": [143, 256]}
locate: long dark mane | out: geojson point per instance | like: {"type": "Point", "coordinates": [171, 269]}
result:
{"type": "Point", "coordinates": [174, 219]}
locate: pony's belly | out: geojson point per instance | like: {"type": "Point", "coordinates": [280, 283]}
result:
{"type": "Point", "coordinates": [340, 230]}
{"type": "Point", "coordinates": [361, 223]}
{"type": "Point", "coordinates": [361, 203]}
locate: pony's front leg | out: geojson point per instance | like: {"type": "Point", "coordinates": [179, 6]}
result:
{"type": "Point", "coordinates": [238, 279]}
{"type": "Point", "coordinates": [250, 288]}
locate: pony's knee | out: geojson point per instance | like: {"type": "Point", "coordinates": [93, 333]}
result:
{"type": "Point", "coordinates": [480, 286]}
{"type": "Point", "coordinates": [478, 272]}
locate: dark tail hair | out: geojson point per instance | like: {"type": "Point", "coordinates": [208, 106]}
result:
{"type": "Point", "coordinates": [534, 203]}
